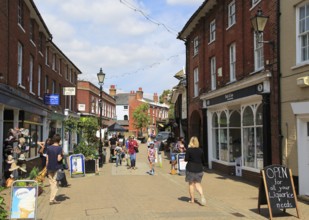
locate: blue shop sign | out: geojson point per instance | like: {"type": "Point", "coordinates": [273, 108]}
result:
{"type": "Point", "coordinates": [51, 99]}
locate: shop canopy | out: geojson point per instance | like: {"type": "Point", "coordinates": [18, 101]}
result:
{"type": "Point", "coordinates": [116, 127]}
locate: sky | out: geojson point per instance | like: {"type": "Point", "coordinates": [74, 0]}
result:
{"type": "Point", "coordinates": [133, 41]}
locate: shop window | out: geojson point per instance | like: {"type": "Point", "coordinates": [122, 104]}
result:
{"type": "Point", "coordinates": [215, 127]}
{"type": "Point", "coordinates": [223, 143]}
{"type": "Point", "coordinates": [253, 136]}
{"type": "Point", "coordinates": [234, 136]}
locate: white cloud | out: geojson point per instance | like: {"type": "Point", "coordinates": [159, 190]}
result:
{"type": "Point", "coordinates": [184, 2]}
{"type": "Point", "coordinates": [133, 51]}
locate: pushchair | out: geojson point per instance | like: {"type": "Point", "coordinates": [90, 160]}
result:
{"type": "Point", "coordinates": [112, 157]}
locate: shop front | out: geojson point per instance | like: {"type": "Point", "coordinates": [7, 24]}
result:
{"type": "Point", "coordinates": [301, 111]}
{"type": "Point", "coordinates": [237, 124]}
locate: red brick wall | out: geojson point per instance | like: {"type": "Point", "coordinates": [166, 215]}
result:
{"type": "Point", "coordinates": [17, 34]}
{"type": "Point", "coordinates": [241, 34]}
{"type": "Point", "coordinates": [3, 40]}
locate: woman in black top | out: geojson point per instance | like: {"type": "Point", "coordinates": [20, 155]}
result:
{"type": "Point", "coordinates": [194, 169]}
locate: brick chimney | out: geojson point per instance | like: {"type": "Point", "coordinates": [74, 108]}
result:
{"type": "Point", "coordinates": [131, 96]}
{"type": "Point", "coordinates": [155, 97]}
{"type": "Point", "coordinates": [139, 93]}
{"type": "Point", "coordinates": [112, 91]}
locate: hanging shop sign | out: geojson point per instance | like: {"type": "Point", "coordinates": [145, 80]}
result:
{"type": "Point", "coordinates": [51, 99]}
{"type": "Point", "coordinates": [69, 90]}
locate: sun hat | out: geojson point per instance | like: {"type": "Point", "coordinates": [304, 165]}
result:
{"type": "Point", "coordinates": [23, 168]}
{"type": "Point", "coordinates": [10, 159]}
{"type": "Point", "coordinates": [14, 167]}
{"type": "Point", "coordinates": [22, 157]}
{"type": "Point", "coordinates": [151, 142]}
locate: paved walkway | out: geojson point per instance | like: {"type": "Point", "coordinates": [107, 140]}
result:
{"type": "Point", "coordinates": [119, 193]}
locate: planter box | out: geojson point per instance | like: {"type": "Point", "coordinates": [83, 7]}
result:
{"type": "Point", "coordinates": [90, 166]}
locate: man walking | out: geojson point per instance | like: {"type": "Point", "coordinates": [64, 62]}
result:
{"type": "Point", "coordinates": [53, 164]}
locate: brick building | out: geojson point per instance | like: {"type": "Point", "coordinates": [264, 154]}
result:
{"type": "Point", "coordinates": [88, 102]}
{"type": "Point", "coordinates": [232, 85]}
{"type": "Point", "coordinates": [33, 73]}
{"type": "Point", "coordinates": [126, 103]}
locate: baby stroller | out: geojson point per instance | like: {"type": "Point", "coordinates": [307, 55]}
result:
{"type": "Point", "coordinates": [112, 157]}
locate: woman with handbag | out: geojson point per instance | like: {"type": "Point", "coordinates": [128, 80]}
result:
{"type": "Point", "coordinates": [194, 169]}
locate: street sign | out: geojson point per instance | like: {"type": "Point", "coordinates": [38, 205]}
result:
{"type": "Point", "coordinates": [69, 90]}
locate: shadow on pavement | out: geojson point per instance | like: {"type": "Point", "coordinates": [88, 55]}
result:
{"type": "Point", "coordinates": [62, 197]}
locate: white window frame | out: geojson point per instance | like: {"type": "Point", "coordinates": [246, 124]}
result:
{"type": "Point", "coordinates": [232, 56]}
{"type": "Point", "coordinates": [195, 86]}
{"type": "Point", "coordinates": [20, 13]}
{"type": "Point", "coordinates": [39, 80]}
{"type": "Point", "coordinates": [46, 56]}
{"type": "Point", "coordinates": [302, 54]}
{"type": "Point", "coordinates": [195, 46]}
{"type": "Point", "coordinates": [254, 3]}
{"type": "Point", "coordinates": [54, 62]}
{"type": "Point", "coordinates": [31, 74]}
{"type": "Point", "coordinates": [258, 51]}
{"type": "Point", "coordinates": [213, 73]}
{"type": "Point", "coordinates": [231, 13]}
{"type": "Point", "coordinates": [212, 31]}
{"type": "Point", "coordinates": [20, 64]}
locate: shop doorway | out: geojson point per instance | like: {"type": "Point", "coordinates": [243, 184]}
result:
{"type": "Point", "coordinates": [195, 125]}
{"type": "Point", "coordinates": [303, 155]}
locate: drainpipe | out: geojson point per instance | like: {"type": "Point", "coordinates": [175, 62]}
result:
{"type": "Point", "coordinates": [278, 14]}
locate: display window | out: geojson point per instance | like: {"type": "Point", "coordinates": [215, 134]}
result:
{"type": "Point", "coordinates": [252, 128]}
{"type": "Point", "coordinates": [238, 134]}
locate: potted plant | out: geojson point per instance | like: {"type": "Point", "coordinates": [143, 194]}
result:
{"type": "Point", "coordinates": [3, 211]}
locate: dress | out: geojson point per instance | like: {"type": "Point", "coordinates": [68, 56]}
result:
{"type": "Point", "coordinates": [194, 167]}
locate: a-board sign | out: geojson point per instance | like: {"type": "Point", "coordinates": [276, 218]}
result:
{"type": "Point", "coordinates": [277, 189]}
{"type": "Point", "coordinates": [77, 165]}
{"type": "Point", "coordinates": [24, 199]}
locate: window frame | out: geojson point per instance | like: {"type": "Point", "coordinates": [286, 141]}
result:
{"type": "Point", "coordinates": [232, 61]}
{"type": "Point", "coordinates": [31, 66]}
{"type": "Point", "coordinates": [39, 80]}
{"type": "Point", "coordinates": [258, 51]}
{"type": "Point", "coordinates": [20, 49]}
{"type": "Point", "coordinates": [213, 73]}
{"type": "Point", "coordinates": [212, 31]}
{"type": "Point", "coordinates": [20, 13]}
{"type": "Point", "coordinates": [195, 46]}
{"type": "Point", "coordinates": [299, 35]}
{"type": "Point", "coordinates": [231, 13]}
{"type": "Point", "coordinates": [195, 83]}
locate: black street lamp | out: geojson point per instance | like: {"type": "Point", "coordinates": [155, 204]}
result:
{"type": "Point", "coordinates": [101, 77]}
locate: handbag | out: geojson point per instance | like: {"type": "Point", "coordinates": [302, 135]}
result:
{"type": "Point", "coordinates": [60, 175]}
{"type": "Point", "coordinates": [136, 149]}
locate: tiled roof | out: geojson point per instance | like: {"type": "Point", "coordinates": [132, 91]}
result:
{"type": "Point", "coordinates": [122, 99]}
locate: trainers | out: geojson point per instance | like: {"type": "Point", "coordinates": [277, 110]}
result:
{"type": "Point", "coordinates": [54, 202]}
{"type": "Point", "coordinates": [203, 201]}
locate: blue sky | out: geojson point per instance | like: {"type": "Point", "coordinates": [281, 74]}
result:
{"type": "Point", "coordinates": [134, 41]}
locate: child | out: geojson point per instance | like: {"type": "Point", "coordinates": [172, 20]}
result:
{"type": "Point", "coordinates": [118, 153]}
{"type": "Point", "coordinates": [151, 157]}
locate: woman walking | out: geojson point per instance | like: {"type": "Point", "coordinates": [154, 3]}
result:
{"type": "Point", "coordinates": [194, 169]}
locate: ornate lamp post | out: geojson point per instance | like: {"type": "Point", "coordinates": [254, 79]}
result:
{"type": "Point", "coordinates": [101, 77]}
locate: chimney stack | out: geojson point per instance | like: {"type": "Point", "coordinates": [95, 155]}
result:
{"type": "Point", "coordinates": [155, 97]}
{"type": "Point", "coordinates": [112, 91]}
{"type": "Point", "coordinates": [139, 93]}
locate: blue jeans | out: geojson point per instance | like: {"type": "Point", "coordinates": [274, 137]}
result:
{"type": "Point", "coordinates": [133, 159]}
{"type": "Point", "coordinates": [118, 159]}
